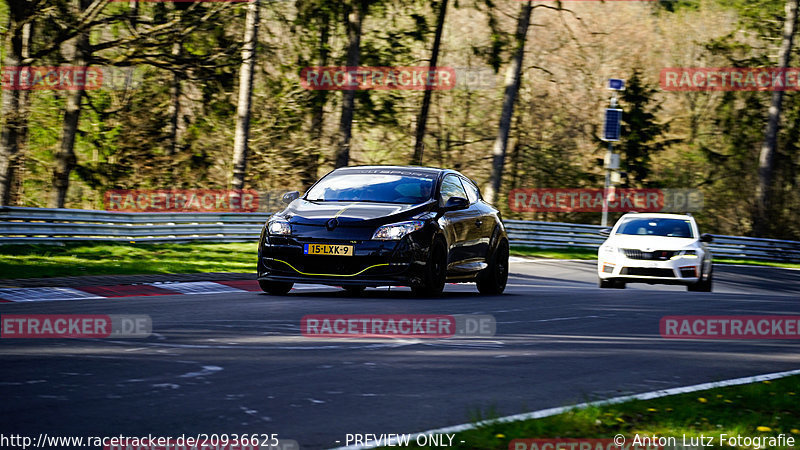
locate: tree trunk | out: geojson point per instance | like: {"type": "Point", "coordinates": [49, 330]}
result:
{"type": "Point", "coordinates": [176, 126]}
{"type": "Point", "coordinates": [422, 120]}
{"type": "Point", "coordinates": [509, 98]}
{"type": "Point", "coordinates": [245, 95]}
{"type": "Point", "coordinates": [355, 19]}
{"type": "Point", "coordinates": [14, 105]}
{"type": "Point", "coordinates": [309, 174]}
{"type": "Point", "coordinates": [65, 158]}
{"type": "Point", "coordinates": [766, 160]}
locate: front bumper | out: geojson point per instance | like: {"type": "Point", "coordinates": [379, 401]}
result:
{"type": "Point", "coordinates": [373, 263]}
{"type": "Point", "coordinates": [682, 270]}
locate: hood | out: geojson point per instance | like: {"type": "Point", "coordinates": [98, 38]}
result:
{"type": "Point", "coordinates": [650, 242]}
{"type": "Point", "coordinates": [303, 212]}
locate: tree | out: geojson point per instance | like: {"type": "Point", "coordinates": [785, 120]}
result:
{"type": "Point", "coordinates": [422, 120]}
{"type": "Point", "coordinates": [315, 16]}
{"type": "Point", "coordinates": [14, 106]}
{"type": "Point", "coordinates": [766, 160]}
{"type": "Point", "coordinates": [509, 98]}
{"type": "Point", "coordinates": [640, 131]}
{"type": "Point", "coordinates": [245, 95]}
{"type": "Point", "coordinates": [355, 18]}
{"type": "Point", "coordinates": [65, 158]}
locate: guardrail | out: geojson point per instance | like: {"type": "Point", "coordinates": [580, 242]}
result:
{"type": "Point", "coordinates": [566, 235]}
{"type": "Point", "coordinates": [40, 225]}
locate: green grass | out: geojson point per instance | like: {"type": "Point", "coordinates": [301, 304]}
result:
{"type": "Point", "coordinates": [588, 254]}
{"type": "Point", "coordinates": [757, 263]}
{"type": "Point", "coordinates": [554, 253]}
{"type": "Point", "coordinates": [759, 409]}
{"type": "Point", "coordinates": [43, 261]}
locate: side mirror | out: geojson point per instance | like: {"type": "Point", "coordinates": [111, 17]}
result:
{"type": "Point", "coordinates": [707, 238]}
{"type": "Point", "coordinates": [289, 197]}
{"type": "Point", "coordinates": [605, 232]}
{"type": "Point", "coordinates": [456, 203]}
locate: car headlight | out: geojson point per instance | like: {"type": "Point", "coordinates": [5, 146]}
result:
{"type": "Point", "coordinates": [396, 231]}
{"type": "Point", "coordinates": [279, 227]}
{"type": "Point", "coordinates": [689, 254]}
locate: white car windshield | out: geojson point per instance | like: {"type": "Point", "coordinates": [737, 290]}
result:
{"type": "Point", "coordinates": [657, 227]}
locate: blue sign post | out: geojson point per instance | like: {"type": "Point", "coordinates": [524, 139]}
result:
{"type": "Point", "coordinates": [616, 84]}
{"type": "Point", "coordinates": [611, 134]}
{"type": "Point", "coordinates": [613, 123]}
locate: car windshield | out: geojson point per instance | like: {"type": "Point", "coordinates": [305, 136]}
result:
{"type": "Point", "coordinates": [657, 227]}
{"type": "Point", "coordinates": [373, 187]}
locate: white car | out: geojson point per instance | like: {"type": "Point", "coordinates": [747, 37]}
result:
{"type": "Point", "coordinates": [656, 249]}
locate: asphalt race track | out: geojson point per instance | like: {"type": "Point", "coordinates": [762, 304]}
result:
{"type": "Point", "coordinates": [237, 363]}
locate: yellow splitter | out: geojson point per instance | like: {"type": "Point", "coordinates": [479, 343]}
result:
{"type": "Point", "coordinates": [328, 249]}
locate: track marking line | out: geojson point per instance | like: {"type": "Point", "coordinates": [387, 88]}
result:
{"type": "Point", "coordinates": [562, 409]}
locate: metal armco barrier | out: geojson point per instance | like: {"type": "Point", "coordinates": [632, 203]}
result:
{"type": "Point", "coordinates": [565, 235]}
{"type": "Point", "coordinates": [40, 225]}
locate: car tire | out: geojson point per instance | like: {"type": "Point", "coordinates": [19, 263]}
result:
{"type": "Point", "coordinates": [275, 287]}
{"type": "Point", "coordinates": [435, 272]}
{"type": "Point", "coordinates": [610, 284]}
{"type": "Point", "coordinates": [704, 285]}
{"type": "Point", "coordinates": [354, 291]}
{"type": "Point", "coordinates": [493, 279]}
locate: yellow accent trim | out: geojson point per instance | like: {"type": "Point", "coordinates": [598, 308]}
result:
{"type": "Point", "coordinates": [343, 210]}
{"type": "Point", "coordinates": [328, 274]}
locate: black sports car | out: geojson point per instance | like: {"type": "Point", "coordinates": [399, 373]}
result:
{"type": "Point", "coordinates": [384, 226]}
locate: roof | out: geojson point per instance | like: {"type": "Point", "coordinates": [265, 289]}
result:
{"type": "Point", "coordinates": [412, 168]}
{"type": "Point", "coordinates": [659, 215]}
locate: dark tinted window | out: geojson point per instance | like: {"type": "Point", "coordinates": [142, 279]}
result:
{"type": "Point", "coordinates": [473, 194]}
{"type": "Point", "coordinates": [373, 187]}
{"type": "Point", "coordinates": [451, 187]}
{"type": "Point", "coordinates": [656, 227]}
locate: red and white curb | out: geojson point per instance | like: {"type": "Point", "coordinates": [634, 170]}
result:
{"type": "Point", "coordinates": [46, 294]}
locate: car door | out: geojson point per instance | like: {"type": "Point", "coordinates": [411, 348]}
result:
{"type": "Point", "coordinates": [455, 222]}
{"type": "Point", "coordinates": [481, 229]}
{"type": "Point", "coordinates": [461, 223]}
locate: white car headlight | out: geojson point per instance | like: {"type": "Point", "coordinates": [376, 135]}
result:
{"type": "Point", "coordinates": [608, 249]}
{"type": "Point", "coordinates": [688, 254]}
{"type": "Point", "coordinates": [279, 227]}
{"type": "Point", "coordinates": [396, 231]}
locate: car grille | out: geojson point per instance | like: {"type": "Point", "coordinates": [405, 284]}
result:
{"type": "Point", "coordinates": [657, 255]}
{"type": "Point", "coordinates": [648, 272]}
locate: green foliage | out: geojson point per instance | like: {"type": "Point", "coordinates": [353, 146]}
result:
{"type": "Point", "coordinates": [694, 139]}
{"type": "Point", "coordinates": [642, 134]}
